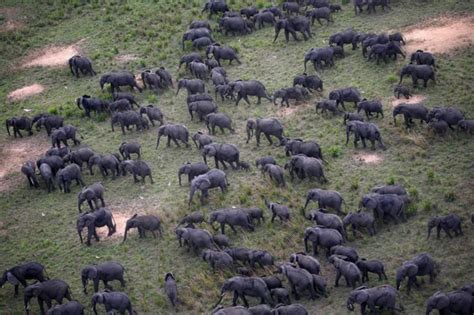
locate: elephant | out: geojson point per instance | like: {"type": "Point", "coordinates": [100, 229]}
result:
{"type": "Point", "coordinates": [193, 86]}
{"type": "Point", "coordinates": [217, 259]}
{"type": "Point", "coordinates": [246, 286]}
{"type": "Point", "coordinates": [328, 220]}
{"type": "Point", "coordinates": [221, 240]}
{"type": "Point", "coordinates": [47, 175]}
{"type": "Point", "coordinates": [200, 24]}
{"type": "Point", "coordinates": [325, 237]}
{"type": "Point", "coordinates": [352, 117]}
{"type": "Point", "coordinates": [69, 308]}
{"type": "Point", "coordinates": [215, 6]}
{"type": "Point", "coordinates": [382, 51]}
{"type": "Point", "coordinates": [347, 269]}
{"type": "Point", "coordinates": [19, 123]}
{"type": "Point", "coordinates": [327, 106]}
{"type": "Point", "coordinates": [255, 214]}
{"type": "Point", "coordinates": [278, 210]}
{"type": "Point", "coordinates": [335, 8]}
{"type": "Point", "coordinates": [126, 149]}
{"type": "Point", "coordinates": [306, 167]}
{"type": "Point", "coordinates": [307, 262]}
{"type": "Point", "coordinates": [446, 223]}
{"type": "Point", "coordinates": [297, 93]}
{"type": "Point", "coordinates": [458, 302]}
{"type": "Point", "coordinates": [105, 163]}
{"type": "Point", "coordinates": [91, 104]}
{"type": "Point", "coordinates": [466, 126]}
{"type": "Point", "coordinates": [291, 7]}
{"type": "Point", "coordinates": [281, 296]}
{"type": "Point", "coordinates": [144, 223]}
{"type": "Point", "coordinates": [403, 90]}
{"type": "Point", "coordinates": [423, 72]}
{"type": "Point", "coordinates": [318, 55]}
{"type": "Point", "coordinates": [55, 162]}
{"type": "Point", "coordinates": [125, 96]}
{"type": "Point", "coordinates": [19, 274]}
{"type": "Point", "coordinates": [348, 36]}
{"type": "Point", "coordinates": [371, 4]}
{"type": "Point", "coordinates": [291, 25]}
{"type": "Point", "coordinates": [212, 179]}
{"type": "Point", "coordinates": [300, 280]}
{"type": "Point", "coordinates": [269, 127]}
{"type": "Point", "coordinates": [376, 298]}
{"type": "Point", "coordinates": [136, 168]}
{"type": "Point", "coordinates": [349, 94]}
{"type": "Point", "coordinates": [187, 59]}
{"type": "Point", "coordinates": [199, 69]}
{"type": "Point", "coordinates": [196, 33]}
{"type": "Point", "coordinates": [439, 127]}
{"type": "Point", "coordinates": [151, 80]}
{"type": "Point", "coordinates": [239, 254]}
{"type": "Point", "coordinates": [234, 24]}
{"type": "Point", "coordinates": [218, 77]}
{"type": "Point", "coordinates": [171, 289]}
{"type": "Point", "coordinates": [264, 17]}
{"type": "Point", "coordinates": [293, 309]}
{"type": "Point", "coordinates": [81, 64]}
{"type": "Point", "coordinates": [231, 217]}
{"type": "Point", "coordinates": [220, 120]}
{"type": "Point", "coordinates": [395, 189]}
{"type": "Point", "coordinates": [274, 10]}
{"type": "Point", "coordinates": [198, 97]}
{"type": "Point", "coordinates": [397, 37]}
{"type": "Point", "coordinates": [385, 205]}
{"type": "Point", "coordinates": [272, 282]}
{"type": "Point", "coordinates": [374, 266]}
{"type": "Point", "coordinates": [421, 57]}
{"type": "Point", "coordinates": [451, 115]}
{"type": "Point", "coordinates": [104, 272]}
{"type": "Point", "coordinates": [194, 217]}
{"type": "Point", "coordinates": [320, 13]}
{"type": "Point", "coordinates": [29, 170]}
{"type": "Point", "coordinates": [192, 170]}
{"type": "Point", "coordinates": [62, 134]}
{"type": "Point", "coordinates": [364, 131]}
{"type": "Point", "coordinates": [118, 79]}
{"type": "Point", "coordinates": [118, 301]}
{"type": "Point", "coordinates": [410, 112]}
{"type": "Point", "coordinates": [298, 146]}
{"type": "Point", "coordinates": [224, 53]}
{"type": "Point", "coordinates": [202, 108]}
{"type": "Point", "coordinates": [202, 139]}
{"type": "Point", "coordinates": [225, 91]}
{"type": "Point", "coordinates": [92, 220]}
{"type": "Point", "coordinates": [196, 239]}
{"type": "Point", "coordinates": [345, 252]}
{"type": "Point", "coordinates": [310, 82]}
{"type": "Point", "coordinates": [275, 172]}
{"type": "Point", "coordinates": [61, 152]}
{"type": "Point", "coordinates": [174, 132]}
{"type": "Point", "coordinates": [261, 162]}
{"type": "Point", "coordinates": [165, 77]}
{"type": "Point", "coordinates": [326, 199]}
{"type": "Point", "coordinates": [49, 122]}
{"type": "Point", "coordinates": [359, 6]}
{"type": "Point", "coordinates": [66, 175]}
{"type": "Point", "coordinates": [120, 105]}
{"type": "Point", "coordinates": [222, 153]}
{"type": "Point", "coordinates": [370, 107]}
{"type": "Point", "coordinates": [244, 89]}
{"type": "Point", "coordinates": [211, 63]}
{"type": "Point", "coordinates": [360, 219]}
{"type": "Point", "coordinates": [91, 193]}
{"type": "Point", "coordinates": [46, 291]}
{"type": "Point", "coordinates": [153, 113]}
{"type": "Point", "coordinates": [420, 265]}
{"type": "Point", "coordinates": [125, 119]}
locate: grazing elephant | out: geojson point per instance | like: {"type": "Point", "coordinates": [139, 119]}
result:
{"type": "Point", "coordinates": [423, 72]}
{"type": "Point", "coordinates": [275, 172]}
{"type": "Point", "coordinates": [261, 162]}
{"type": "Point", "coordinates": [348, 36]}
{"type": "Point", "coordinates": [269, 127]}
{"type": "Point", "coordinates": [246, 286]}
{"type": "Point", "coordinates": [292, 25]}
{"type": "Point", "coordinates": [344, 252]}
{"type": "Point", "coordinates": [91, 193]}
{"type": "Point", "coordinates": [92, 220]}
{"type": "Point", "coordinates": [220, 120]}
{"type": "Point", "coordinates": [374, 266]}
{"type": "Point", "coordinates": [47, 175]}
{"type": "Point", "coordinates": [295, 93]}
{"type": "Point", "coordinates": [348, 270]}
{"type": "Point", "coordinates": [62, 134]}
{"type": "Point", "coordinates": [49, 122]}
{"type": "Point", "coordinates": [385, 205]}
{"type": "Point", "coordinates": [171, 289]}
{"type": "Point", "coordinates": [446, 223]}
{"type": "Point", "coordinates": [349, 94]}
{"type": "Point", "coordinates": [196, 33]}
{"type": "Point", "coordinates": [320, 13]}
{"type": "Point", "coordinates": [310, 82]}
{"type": "Point", "coordinates": [193, 86]}
{"type": "Point", "coordinates": [278, 210]}
{"type": "Point", "coordinates": [126, 149]}
{"type": "Point", "coordinates": [222, 153]}
{"type": "Point", "coordinates": [307, 262]}
{"type": "Point", "coordinates": [91, 104]}
{"type": "Point", "coordinates": [192, 170]}
{"type": "Point", "coordinates": [153, 113]}
{"type": "Point", "coordinates": [360, 219]}
{"type": "Point", "coordinates": [423, 58]}
{"type": "Point", "coordinates": [81, 63]}
{"type": "Point", "coordinates": [410, 112]}
{"type": "Point", "coordinates": [118, 79]}
{"type": "Point", "coordinates": [231, 217]}
{"type": "Point", "coordinates": [322, 236]}
{"type": "Point", "coordinates": [370, 107]}
{"type": "Point", "coordinates": [126, 119]}
{"type": "Point", "coordinates": [66, 175]}
{"type": "Point", "coordinates": [328, 220]}
{"type": "Point", "coordinates": [19, 123]}
{"type": "Point", "coordinates": [105, 163]}
{"type": "Point", "coordinates": [327, 106]}
{"type": "Point", "coordinates": [450, 115]}
{"type": "Point", "coordinates": [466, 126]}
{"type": "Point", "coordinates": [144, 223]}
{"type": "Point", "coordinates": [244, 89]}
{"type": "Point", "coordinates": [202, 108]}
{"type": "Point", "coordinates": [376, 298]}
{"type": "Point", "coordinates": [47, 291]}
{"type": "Point", "coordinates": [202, 139]}
{"type": "Point", "coordinates": [194, 217]}
{"type": "Point", "coordinates": [70, 308]}
{"type": "Point", "coordinates": [137, 168]}
{"type": "Point", "coordinates": [457, 302]}
{"type": "Point", "coordinates": [29, 170]}
{"type": "Point", "coordinates": [306, 167]}
{"type": "Point", "coordinates": [19, 274]}
{"type": "Point", "coordinates": [420, 265]}
{"type": "Point", "coordinates": [104, 272]}
{"type": "Point", "coordinates": [212, 179]}
{"type": "Point", "coordinates": [255, 214]}
{"type": "Point", "coordinates": [224, 53]}
{"type": "Point", "coordinates": [318, 55]}
{"type": "Point", "coordinates": [264, 17]}
{"type": "Point", "coordinates": [298, 146]}
{"type": "Point", "coordinates": [234, 25]}
{"type": "Point", "coordinates": [300, 280]}
{"type": "Point", "coordinates": [118, 301]}
{"type": "Point", "coordinates": [364, 131]}
{"type": "Point", "coordinates": [217, 259]}
{"type": "Point", "coordinates": [174, 132]}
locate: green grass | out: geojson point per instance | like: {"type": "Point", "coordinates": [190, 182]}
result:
{"type": "Point", "coordinates": [437, 171]}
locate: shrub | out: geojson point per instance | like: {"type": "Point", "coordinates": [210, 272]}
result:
{"type": "Point", "coordinates": [391, 79]}
{"type": "Point", "coordinates": [53, 110]}
{"type": "Point", "coordinates": [335, 151]}
{"type": "Point", "coordinates": [391, 180]}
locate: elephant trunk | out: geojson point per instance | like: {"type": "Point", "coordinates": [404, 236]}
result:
{"type": "Point", "coordinates": [191, 194]}
{"type": "Point", "coordinates": [179, 177]}
{"type": "Point", "coordinates": [308, 199]}
{"type": "Point", "coordinates": [179, 87]}
{"type": "Point", "coordinates": [277, 32]}
{"type": "Point", "coordinates": [125, 234]}
{"type": "Point", "coordinates": [7, 124]}
{"type": "Point", "coordinates": [220, 299]}
{"type": "Point", "coordinates": [78, 102]}
{"type": "Point", "coordinates": [79, 203]}
{"type": "Point", "coordinates": [79, 231]}
{"type": "Point", "coordinates": [350, 306]}
{"type": "Point", "coordinates": [306, 243]}
{"type": "Point", "coordinates": [158, 141]}
{"type": "Point", "coordinates": [429, 231]}
{"type": "Point", "coordinates": [195, 143]}
{"type": "Point", "coordinates": [204, 157]}
{"type": "Point", "coordinates": [249, 134]}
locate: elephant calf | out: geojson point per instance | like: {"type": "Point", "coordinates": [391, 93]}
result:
{"type": "Point", "coordinates": [278, 210]}
{"type": "Point", "coordinates": [255, 214]}
{"type": "Point", "coordinates": [126, 149]}
{"type": "Point", "coordinates": [67, 175]}
{"type": "Point", "coordinates": [348, 270]}
{"type": "Point", "coordinates": [295, 93]}
{"type": "Point", "coordinates": [373, 266]}
{"type": "Point", "coordinates": [420, 265]}
{"type": "Point", "coordinates": [171, 288]}
{"type": "Point", "coordinates": [104, 272]}
{"type": "Point", "coordinates": [69, 308]}
{"type": "Point", "coordinates": [446, 223]}
{"type": "Point", "coordinates": [92, 220]}
{"type": "Point", "coordinates": [144, 223]}
{"type": "Point", "coordinates": [212, 179]}
{"type": "Point", "coordinates": [192, 170]}
{"type": "Point", "coordinates": [281, 295]}
{"type": "Point", "coordinates": [29, 170]}
{"type": "Point", "coordinates": [306, 262]}
{"type": "Point", "coordinates": [358, 220]}
{"type": "Point", "coordinates": [370, 107]}
{"type": "Point", "coordinates": [200, 139]}
{"type": "Point", "coordinates": [345, 252]}
{"type": "Point", "coordinates": [325, 199]}
{"type": "Point", "coordinates": [91, 193]}
{"type": "Point", "coordinates": [329, 220]}
{"type": "Point", "coordinates": [364, 131]}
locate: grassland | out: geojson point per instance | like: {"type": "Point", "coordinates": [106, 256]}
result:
{"type": "Point", "coordinates": [437, 171]}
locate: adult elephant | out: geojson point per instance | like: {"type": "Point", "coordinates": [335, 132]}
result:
{"type": "Point", "coordinates": [423, 72]}
{"type": "Point", "coordinates": [324, 237]}
{"type": "Point", "coordinates": [174, 132]}
{"type": "Point", "coordinates": [66, 175]}
{"type": "Point", "coordinates": [202, 109]}
{"type": "Point", "coordinates": [420, 265]}
{"type": "Point", "coordinates": [234, 24]}
{"type": "Point", "coordinates": [267, 126]}
{"type": "Point", "coordinates": [49, 122]}
{"type": "Point", "coordinates": [292, 25]}
{"type": "Point", "coordinates": [451, 115]}
{"type": "Point", "coordinates": [19, 274]}
{"type": "Point", "coordinates": [246, 286]}
{"type": "Point", "coordinates": [106, 163]}
{"type": "Point", "coordinates": [193, 86]}
{"type": "Point", "coordinates": [264, 17]}
{"type": "Point", "coordinates": [455, 302]}
{"type": "Point", "coordinates": [292, 309]}
{"type": "Point", "coordinates": [220, 120]}
{"type": "Point", "coordinates": [446, 223]}
{"type": "Point", "coordinates": [153, 113]}
{"type": "Point", "coordinates": [200, 139]}
{"type": "Point", "coordinates": [349, 94]}
{"type": "Point", "coordinates": [104, 272]}
{"type": "Point", "coordinates": [348, 36]}
{"type": "Point", "coordinates": [126, 119]}
{"type": "Point", "coordinates": [319, 55]}
{"type": "Point", "coordinates": [320, 13]}
{"type": "Point", "coordinates": [310, 82]}
{"type": "Point", "coordinates": [92, 220]}
{"type": "Point", "coordinates": [215, 6]}
{"type": "Point", "coordinates": [347, 269]}
{"type": "Point", "coordinates": [118, 79]}
{"type": "Point", "coordinates": [91, 104]}
{"type": "Point", "coordinates": [328, 220]}
{"type": "Point", "coordinates": [91, 193]}
{"type": "Point", "coordinates": [308, 148]}
{"type": "Point", "coordinates": [244, 89]}
{"type": "Point", "coordinates": [136, 168]}
{"type": "Point", "coordinates": [46, 291]}
{"type": "Point", "coordinates": [143, 223]}
{"type": "Point", "coordinates": [294, 93]}
{"type": "Point", "coordinates": [199, 70]}
{"type": "Point", "coordinates": [195, 33]}
{"type": "Point", "coordinates": [200, 24]}
{"type": "Point", "coordinates": [192, 170]}
{"type": "Point", "coordinates": [19, 123]}
{"type": "Point", "coordinates": [222, 153]}
{"type": "Point", "coordinates": [423, 58]}
{"type": "Point", "coordinates": [385, 205]}
{"type": "Point", "coordinates": [62, 134]}
{"type": "Point", "coordinates": [300, 280]}
{"type": "Point", "coordinates": [364, 131]}
{"type": "Point", "coordinates": [306, 167]}
{"type": "Point", "coordinates": [224, 53]}
{"type": "Point", "coordinates": [80, 63]}
{"type": "Point", "coordinates": [231, 217]}
{"type": "Point", "coordinates": [377, 298]}
{"type": "Point", "coordinates": [69, 308]}
{"type": "Point", "coordinates": [118, 301]}
{"type": "Point", "coordinates": [165, 77]}
{"type": "Point", "coordinates": [410, 112]}
{"type": "Point", "coordinates": [212, 179]}
{"type": "Point", "coordinates": [195, 239]}
{"type": "Point", "coordinates": [188, 58]}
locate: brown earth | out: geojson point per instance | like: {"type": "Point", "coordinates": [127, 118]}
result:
{"type": "Point", "coordinates": [25, 92]}
{"type": "Point", "coordinates": [417, 98]}
{"type": "Point", "coordinates": [368, 158]}
{"type": "Point", "coordinates": [54, 56]}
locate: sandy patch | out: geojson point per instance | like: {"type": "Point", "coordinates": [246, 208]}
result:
{"type": "Point", "coordinates": [12, 19]}
{"type": "Point", "coordinates": [55, 56]}
{"type": "Point", "coordinates": [417, 98]}
{"type": "Point", "coordinates": [25, 92]}
{"type": "Point", "coordinates": [125, 58]}
{"type": "Point", "coordinates": [369, 158]}
{"type": "Point", "coordinates": [440, 35]}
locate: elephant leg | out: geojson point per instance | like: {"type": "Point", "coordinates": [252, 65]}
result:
{"type": "Point", "coordinates": [239, 97]}
{"type": "Point", "coordinates": [295, 292]}
{"type": "Point", "coordinates": [175, 141]}
{"type": "Point", "coordinates": [154, 235]}
{"type": "Point", "coordinates": [273, 217]}
{"type": "Point", "coordinates": [233, 229]}
{"type": "Point", "coordinates": [169, 142]}
{"type": "Point", "coordinates": [235, 298]}
{"type": "Point", "coordinates": [338, 276]}
{"type": "Point", "coordinates": [446, 230]}
{"type": "Point", "coordinates": [246, 99]}
{"type": "Point", "coordinates": [268, 138]}
{"type": "Point", "coordinates": [41, 306]}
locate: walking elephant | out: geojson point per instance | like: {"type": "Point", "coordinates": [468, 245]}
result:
{"type": "Point", "coordinates": [66, 175]}
{"type": "Point", "coordinates": [143, 223]}
{"type": "Point", "coordinates": [104, 272]}
{"type": "Point", "coordinates": [212, 179]}
{"type": "Point", "coordinates": [118, 79]}
{"type": "Point", "coordinates": [347, 269]}
{"type": "Point", "coordinates": [389, 205]}
{"type": "Point", "coordinates": [291, 25]}
{"type": "Point", "coordinates": [299, 146]}
{"type": "Point", "coordinates": [80, 64]}
{"type": "Point", "coordinates": [246, 286]}
{"type": "Point", "coordinates": [47, 291]}
{"type": "Point", "coordinates": [174, 132]}
{"type": "Point", "coordinates": [193, 86]}
{"type": "Point", "coordinates": [231, 217]}
{"type": "Point", "coordinates": [423, 72]}
{"type": "Point", "coordinates": [221, 52]}
{"type": "Point", "coordinates": [19, 274]}
{"type": "Point", "coordinates": [376, 298]}
{"type": "Point", "coordinates": [118, 301]}
{"type": "Point", "coordinates": [244, 89]}
{"type": "Point", "coordinates": [410, 112]}
{"type": "Point", "coordinates": [192, 170]}
{"type": "Point", "coordinates": [446, 223]}
{"type": "Point", "coordinates": [420, 265]}
{"type": "Point", "coordinates": [136, 168]}
{"type": "Point", "coordinates": [267, 126]}
{"type": "Point", "coordinates": [322, 236]}
{"type": "Point", "coordinates": [222, 153]}
{"type": "Point", "coordinates": [19, 123]}
{"type": "Point", "coordinates": [306, 167]}
{"type": "Point", "coordinates": [92, 220]}
{"type": "Point", "coordinates": [349, 94]}
{"type": "Point", "coordinates": [91, 104]}
{"type": "Point", "coordinates": [455, 302]}
{"type": "Point", "coordinates": [69, 308]}
{"type": "Point", "coordinates": [91, 193]}
{"type": "Point", "coordinates": [364, 131]}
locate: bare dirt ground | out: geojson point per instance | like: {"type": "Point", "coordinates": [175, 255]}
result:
{"type": "Point", "coordinates": [54, 56]}
{"type": "Point", "coordinates": [440, 35]}
{"type": "Point", "coordinates": [12, 19]}
{"type": "Point", "coordinates": [368, 158]}
{"type": "Point", "coordinates": [417, 98]}
{"type": "Point", "coordinates": [25, 92]}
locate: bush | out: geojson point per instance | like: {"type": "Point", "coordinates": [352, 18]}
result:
{"type": "Point", "coordinates": [335, 151]}
{"type": "Point", "coordinates": [391, 180]}
{"type": "Point", "coordinates": [53, 110]}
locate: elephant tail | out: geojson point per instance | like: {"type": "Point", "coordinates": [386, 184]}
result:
{"type": "Point", "coordinates": [7, 124]}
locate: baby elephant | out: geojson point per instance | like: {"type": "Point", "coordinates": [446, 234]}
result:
{"type": "Point", "coordinates": [327, 106]}
{"type": "Point", "coordinates": [446, 223]}
{"type": "Point", "coordinates": [126, 149]}
{"type": "Point", "coordinates": [374, 266]}
{"type": "Point", "coordinates": [144, 223]}
{"type": "Point", "coordinates": [403, 90]}
{"type": "Point", "coordinates": [118, 301]}
{"type": "Point", "coordinates": [171, 288]}
{"type": "Point", "coordinates": [278, 210]}
{"type": "Point", "coordinates": [29, 170]}
{"type": "Point", "coordinates": [281, 295]}
{"type": "Point", "coordinates": [370, 107]}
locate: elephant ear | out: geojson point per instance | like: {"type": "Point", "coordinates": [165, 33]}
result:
{"type": "Point", "coordinates": [92, 272]}
{"type": "Point", "coordinates": [411, 270]}
{"type": "Point", "coordinates": [12, 279]}
{"type": "Point", "coordinates": [361, 296]}
{"type": "Point", "coordinates": [442, 300]}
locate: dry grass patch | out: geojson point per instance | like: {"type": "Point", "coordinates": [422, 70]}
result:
{"type": "Point", "coordinates": [25, 92]}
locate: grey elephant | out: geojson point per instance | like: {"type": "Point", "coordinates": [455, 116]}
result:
{"type": "Point", "coordinates": [165, 77]}
{"type": "Point", "coordinates": [221, 240]}
{"type": "Point", "coordinates": [118, 79]}
{"type": "Point", "coordinates": [278, 210]}
{"type": "Point", "coordinates": [79, 156]}
{"type": "Point", "coordinates": [261, 162]}
{"type": "Point", "coordinates": [81, 64]}
{"type": "Point", "coordinates": [220, 120]}
{"type": "Point", "coordinates": [212, 179]}
{"type": "Point", "coordinates": [352, 117]}
{"type": "Point", "coordinates": [390, 205]}
{"type": "Point", "coordinates": [423, 72]}
{"type": "Point", "coordinates": [222, 52]}
{"type": "Point", "coordinates": [327, 106]}
{"type": "Point", "coordinates": [349, 94]}
{"type": "Point", "coordinates": [153, 113]}
{"type": "Point", "coordinates": [199, 69]}
{"type": "Point", "coordinates": [320, 13]}
{"type": "Point", "coordinates": [306, 167]}
{"type": "Point", "coordinates": [46, 291]}
{"type": "Point", "coordinates": [192, 170]}
{"type": "Point", "coordinates": [55, 162]}
{"type": "Point", "coordinates": [151, 80]}
{"type": "Point", "coordinates": [202, 108]}
{"type": "Point", "coordinates": [234, 25]}
{"type": "Point", "coordinates": [325, 199]}
{"type": "Point", "coordinates": [395, 189]}
{"type": "Point", "coordinates": [69, 308]}
{"type": "Point", "coordinates": [329, 220]}
{"type": "Point", "coordinates": [421, 57]}
{"type": "Point", "coordinates": [446, 223]}
{"type": "Point", "coordinates": [195, 239]}
{"type": "Point", "coordinates": [276, 173]}
{"type": "Point", "coordinates": [91, 104]}
{"type": "Point", "coordinates": [359, 220]}
{"type": "Point", "coordinates": [29, 170]}
{"type": "Point", "coordinates": [293, 309]}
{"type": "Point", "coordinates": [201, 139]}
{"type": "Point", "coordinates": [106, 163]}
{"type": "Point", "coordinates": [246, 286]}
{"type": "Point", "coordinates": [261, 257]}
{"type": "Point", "coordinates": [118, 301]}
{"type": "Point", "coordinates": [420, 265]}
{"type": "Point", "coordinates": [196, 33]}
{"type": "Point", "coordinates": [255, 214]}
{"type": "Point", "coordinates": [215, 6]}
{"type": "Point", "coordinates": [19, 274]}
{"type": "Point", "coordinates": [376, 298]}
{"type": "Point", "coordinates": [19, 123]}
{"type": "Point", "coordinates": [291, 93]}
{"type": "Point", "coordinates": [267, 126]}
{"type": "Point", "coordinates": [291, 25]}
{"type": "Point", "coordinates": [61, 152]}
{"type": "Point", "coordinates": [231, 310]}
{"type": "Point", "coordinates": [231, 217]}
{"type": "Point", "coordinates": [451, 115]}
{"type": "Point", "coordinates": [174, 132]}
{"type": "Point", "coordinates": [300, 280]}
{"type": "Point", "coordinates": [410, 112]}
{"type": "Point", "coordinates": [91, 193]}
{"type": "Point", "coordinates": [466, 125]}
{"type": "Point", "coordinates": [143, 223]}
{"type": "Point", "coordinates": [456, 302]}
{"type": "Point", "coordinates": [119, 105]}
{"type": "Point", "coordinates": [324, 237]}
{"type": "Point", "coordinates": [66, 175]}
{"type": "Point", "coordinates": [244, 89]}
{"type": "Point", "coordinates": [364, 131]}
{"type": "Point", "coordinates": [280, 296]}
{"type": "Point", "coordinates": [373, 266]}
{"type": "Point", "coordinates": [193, 86]}
{"type": "Point", "coordinates": [310, 82]}
{"type": "Point", "coordinates": [345, 252]}
{"type": "Point", "coordinates": [370, 107]}
{"type": "Point", "coordinates": [126, 119]}
{"type": "Point", "coordinates": [239, 254]}
{"type": "Point", "coordinates": [126, 149]}
{"type": "Point", "coordinates": [307, 262]}
{"type": "Point", "coordinates": [125, 96]}
{"type": "Point", "coordinates": [346, 269]}
{"type": "Point", "coordinates": [188, 58]}
{"type": "Point", "coordinates": [193, 217]}
{"type": "Point", "coordinates": [402, 90]}
{"type": "Point", "coordinates": [319, 55]}
{"type": "Point", "coordinates": [104, 272]}
{"type": "Point", "coordinates": [222, 153]}
{"type": "Point", "coordinates": [49, 122]}
{"type": "Point", "coordinates": [217, 259]}
{"type": "Point", "coordinates": [171, 289]}
{"type": "Point", "coordinates": [63, 134]}
{"type": "Point", "coordinates": [264, 17]}
{"type": "Point", "coordinates": [199, 24]}
{"type": "Point", "coordinates": [47, 175]}
{"type": "Point", "coordinates": [92, 220]}
{"type": "Point", "coordinates": [136, 168]}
